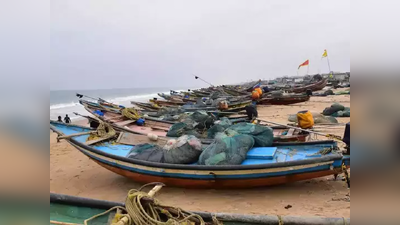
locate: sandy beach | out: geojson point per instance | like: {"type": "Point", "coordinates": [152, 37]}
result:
{"type": "Point", "coordinates": [73, 173]}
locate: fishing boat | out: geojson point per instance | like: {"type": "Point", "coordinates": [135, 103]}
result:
{"type": "Point", "coordinates": [167, 103]}
{"type": "Point", "coordinates": [73, 210]}
{"type": "Point", "coordinates": [313, 87]}
{"type": "Point", "coordinates": [280, 164]}
{"type": "Point", "coordinates": [283, 100]}
{"type": "Point", "coordinates": [146, 106]}
{"type": "Point", "coordinates": [200, 93]}
{"type": "Point", "coordinates": [119, 122]}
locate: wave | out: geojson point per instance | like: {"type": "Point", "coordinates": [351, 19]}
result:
{"type": "Point", "coordinates": [64, 105]}
{"type": "Point", "coordinates": [135, 97]}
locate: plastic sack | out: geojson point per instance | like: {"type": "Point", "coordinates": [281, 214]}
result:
{"type": "Point", "coordinates": [318, 118]}
{"type": "Point", "coordinates": [227, 150]}
{"type": "Point", "coordinates": [255, 95]}
{"type": "Point", "coordinates": [260, 92]}
{"type": "Point", "coordinates": [305, 119]}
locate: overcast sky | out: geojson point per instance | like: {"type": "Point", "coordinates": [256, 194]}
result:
{"type": "Point", "coordinates": [116, 44]}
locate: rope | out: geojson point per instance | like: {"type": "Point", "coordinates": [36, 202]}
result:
{"type": "Point", "coordinates": [106, 212]}
{"type": "Point", "coordinates": [104, 130]}
{"type": "Point", "coordinates": [142, 209]}
{"type": "Point", "coordinates": [346, 175]}
{"type": "Point", "coordinates": [280, 221]}
{"type": "Point", "coordinates": [149, 214]}
{"type": "Point", "coordinates": [130, 113]}
{"type": "Point", "coordinates": [324, 151]}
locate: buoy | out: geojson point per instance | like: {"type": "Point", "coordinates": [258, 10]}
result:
{"type": "Point", "coordinates": [152, 137]}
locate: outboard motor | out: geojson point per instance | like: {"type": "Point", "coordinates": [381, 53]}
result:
{"type": "Point", "coordinates": [346, 137]}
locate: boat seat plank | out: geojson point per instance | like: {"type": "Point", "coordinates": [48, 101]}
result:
{"type": "Point", "coordinates": [261, 153]}
{"type": "Point", "coordinates": [92, 142]}
{"type": "Point", "coordinates": [137, 139]}
{"type": "Point", "coordinates": [290, 132]}
{"type": "Point", "coordinates": [124, 123]}
{"type": "Point", "coordinates": [160, 128]}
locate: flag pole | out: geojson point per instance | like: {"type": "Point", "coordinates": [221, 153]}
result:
{"type": "Point", "coordinates": [308, 68]}
{"type": "Point", "coordinates": [329, 66]}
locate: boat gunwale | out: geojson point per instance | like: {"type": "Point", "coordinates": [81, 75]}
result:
{"type": "Point", "coordinates": [321, 159]}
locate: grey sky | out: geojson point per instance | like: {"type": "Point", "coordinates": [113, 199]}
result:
{"type": "Point", "coordinates": [112, 44]}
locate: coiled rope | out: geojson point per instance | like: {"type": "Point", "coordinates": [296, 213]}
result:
{"type": "Point", "coordinates": [142, 209]}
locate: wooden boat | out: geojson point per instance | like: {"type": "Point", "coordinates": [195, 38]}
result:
{"type": "Point", "coordinates": [201, 93]}
{"type": "Point", "coordinates": [234, 92]}
{"type": "Point", "coordinates": [73, 210]}
{"type": "Point", "coordinates": [146, 106]}
{"type": "Point", "coordinates": [287, 162]}
{"type": "Point", "coordinates": [119, 122]}
{"type": "Point", "coordinates": [160, 127]}
{"type": "Point", "coordinates": [167, 103]}
{"type": "Point", "coordinates": [313, 87]}
{"type": "Point", "coordinates": [175, 97]}
{"type": "Point", "coordinates": [283, 100]}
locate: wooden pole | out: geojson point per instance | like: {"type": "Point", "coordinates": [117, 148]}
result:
{"type": "Point", "coordinates": [197, 77]}
{"type": "Point", "coordinates": [298, 128]}
{"type": "Point", "coordinates": [329, 66]}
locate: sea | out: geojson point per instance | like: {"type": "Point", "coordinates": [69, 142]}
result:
{"type": "Point", "coordinates": [64, 102]}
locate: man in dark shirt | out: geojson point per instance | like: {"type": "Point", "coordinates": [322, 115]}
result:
{"type": "Point", "coordinates": [67, 119]}
{"type": "Point", "coordinates": [59, 119]}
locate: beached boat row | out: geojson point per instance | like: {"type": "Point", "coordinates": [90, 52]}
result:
{"type": "Point", "coordinates": [269, 155]}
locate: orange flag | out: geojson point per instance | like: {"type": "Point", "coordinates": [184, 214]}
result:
{"type": "Point", "coordinates": [304, 64]}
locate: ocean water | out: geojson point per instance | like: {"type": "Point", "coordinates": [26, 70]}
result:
{"type": "Point", "coordinates": [65, 101]}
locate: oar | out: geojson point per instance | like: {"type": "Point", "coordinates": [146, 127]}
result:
{"type": "Point", "coordinates": [338, 138]}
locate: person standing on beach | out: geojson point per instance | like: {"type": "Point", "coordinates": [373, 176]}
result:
{"type": "Point", "coordinates": [67, 119]}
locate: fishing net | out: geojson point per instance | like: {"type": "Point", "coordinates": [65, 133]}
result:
{"type": "Point", "coordinates": [332, 109]}
{"type": "Point", "coordinates": [104, 130]}
{"type": "Point", "coordinates": [184, 150]}
{"type": "Point", "coordinates": [199, 120]}
{"type": "Point", "coordinates": [219, 126]}
{"type": "Point", "coordinates": [343, 113]}
{"type": "Point", "coordinates": [179, 129]}
{"type": "Point", "coordinates": [263, 135]}
{"type": "Point", "coordinates": [130, 113]}
{"type": "Point", "coordinates": [227, 150]}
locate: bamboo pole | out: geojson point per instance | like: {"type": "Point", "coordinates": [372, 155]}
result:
{"type": "Point", "coordinates": [298, 128]}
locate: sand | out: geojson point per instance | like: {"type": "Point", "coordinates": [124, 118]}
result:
{"type": "Point", "coordinates": [73, 173]}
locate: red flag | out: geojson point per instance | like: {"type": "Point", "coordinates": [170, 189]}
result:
{"type": "Point", "coordinates": [304, 64]}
